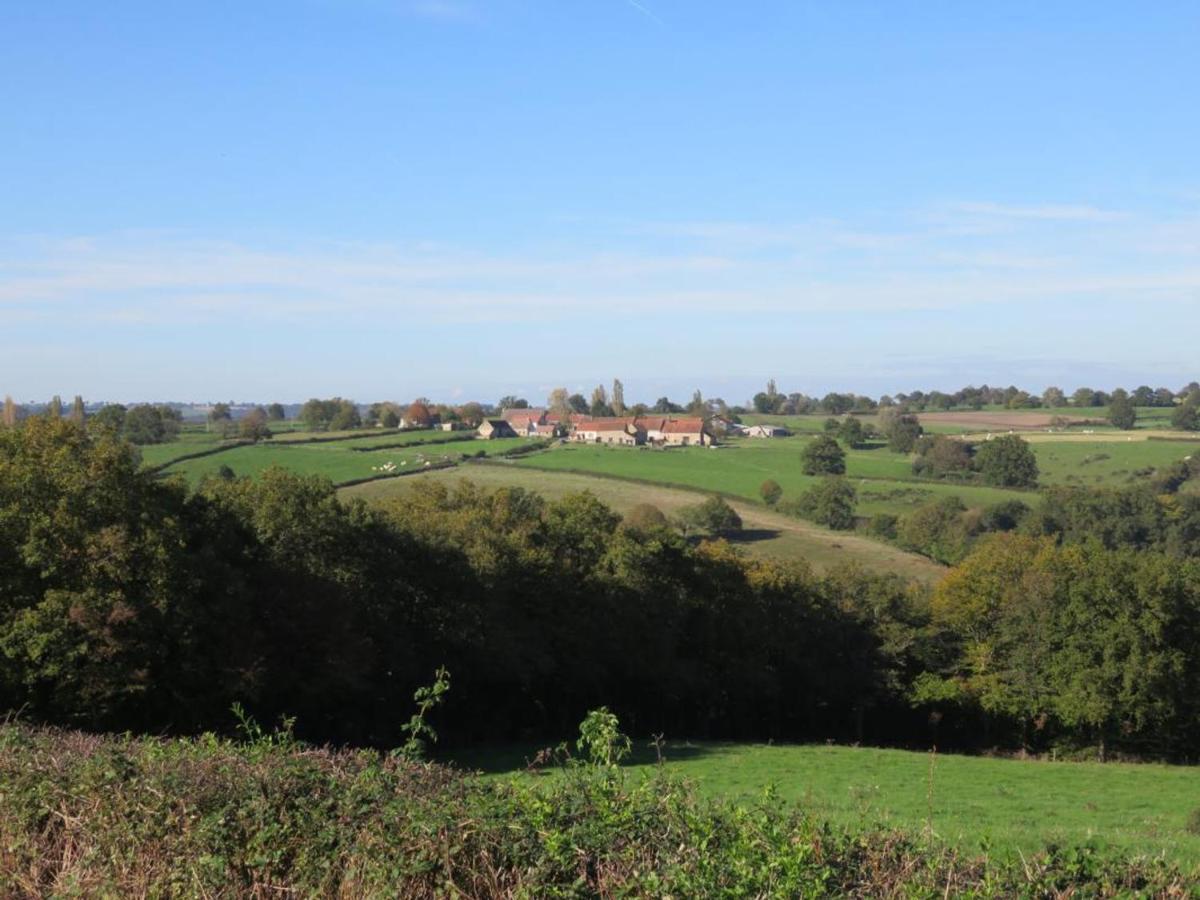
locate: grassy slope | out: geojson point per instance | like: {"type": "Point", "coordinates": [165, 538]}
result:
{"type": "Point", "coordinates": [1005, 804]}
{"type": "Point", "coordinates": [884, 480]}
{"type": "Point", "coordinates": [767, 534]}
{"type": "Point", "coordinates": [337, 460]}
{"type": "Point", "coordinates": [741, 466]}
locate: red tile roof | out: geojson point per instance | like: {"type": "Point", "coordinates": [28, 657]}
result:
{"type": "Point", "coordinates": [683, 426]}
{"type": "Point", "coordinates": [524, 416]}
{"type": "Point", "coordinates": [615, 423]}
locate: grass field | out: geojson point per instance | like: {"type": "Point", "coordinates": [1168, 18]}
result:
{"type": "Point", "coordinates": [1002, 805]}
{"type": "Point", "coordinates": [336, 460]}
{"type": "Point", "coordinates": [884, 480]}
{"type": "Point", "coordinates": [766, 533]}
{"type": "Point", "coordinates": [1110, 463]}
{"type": "Point", "coordinates": [196, 438]}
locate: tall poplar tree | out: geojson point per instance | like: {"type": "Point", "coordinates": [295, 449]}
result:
{"type": "Point", "coordinates": [618, 397]}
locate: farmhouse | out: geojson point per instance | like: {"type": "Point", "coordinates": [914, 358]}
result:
{"type": "Point", "coordinates": [524, 421]}
{"type": "Point", "coordinates": [628, 431]}
{"type": "Point", "coordinates": [495, 428]}
{"type": "Point", "coordinates": [610, 430]}
{"type": "Point", "coordinates": [689, 432]}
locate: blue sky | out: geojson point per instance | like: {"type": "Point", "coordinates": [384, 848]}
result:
{"type": "Point", "coordinates": [460, 198]}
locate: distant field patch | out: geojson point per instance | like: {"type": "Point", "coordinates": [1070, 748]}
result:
{"type": "Point", "coordinates": [884, 480]}
{"type": "Point", "coordinates": [1000, 421]}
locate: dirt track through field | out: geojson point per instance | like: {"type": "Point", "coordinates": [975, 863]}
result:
{"type": "Point", "coordinates": [765, 533]}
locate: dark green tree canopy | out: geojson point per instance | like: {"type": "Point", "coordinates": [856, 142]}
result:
{"type": "Point", "coordinates": [823, 456]}
{"type": "Point", "coordinates": [1007, 461]}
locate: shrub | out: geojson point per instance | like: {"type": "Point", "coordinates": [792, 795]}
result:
{"type": "Point", "coordinates": [830, 503]}
{"type": "Point", "coordinates": [883, 525]}
{"type": "Point", "coordinates": [714, 515]}
{"type": "Point", "coordinates": [645, 517]}
{"type": "Point", "coordinates": [770, 491]}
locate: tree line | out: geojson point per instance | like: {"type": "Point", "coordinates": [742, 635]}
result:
{"type": "Point", "coordinates": [142, 604]}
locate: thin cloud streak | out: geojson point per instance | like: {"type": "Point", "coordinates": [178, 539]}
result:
{"type": "Point", "coordinates": [911, 263]}
{"type": "Point", "coordinates": [646, 12]}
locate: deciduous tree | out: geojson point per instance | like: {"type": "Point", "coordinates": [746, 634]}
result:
{"type": "Point", "coordinates": [823, 456]}
{"type": "Point", "coordinates": [1121, 411]}
{"type": "Point", "coordinates": [1007, 461]}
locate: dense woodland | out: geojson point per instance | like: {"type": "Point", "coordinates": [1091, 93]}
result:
{"type": "Point", "coordinates": [130, 602]}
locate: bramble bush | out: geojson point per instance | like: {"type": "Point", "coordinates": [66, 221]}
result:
{"type": "Point", "coordinates": [87, 815]}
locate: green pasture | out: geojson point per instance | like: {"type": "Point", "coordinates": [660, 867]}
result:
{"type": "Point", "coordinates": [1002, 806]}
{"type": "Point", "coordinates": [1106, 463]}
{"type": "Point", "coordinates": [196, 438]}
{"type": "Point", "coordinates": [336, 460]}
{"type": "Point", "coordinates": [189, 441]}
{"type": "Point", "coordinates": [884, 480]}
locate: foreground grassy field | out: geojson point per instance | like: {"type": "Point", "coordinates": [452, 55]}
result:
{"type": "Point", "coordinates": [96, 816]}
{"type": "Point", "coordinates": [999, 805]}
{"type": "Point", "coordinates": [766, 534]}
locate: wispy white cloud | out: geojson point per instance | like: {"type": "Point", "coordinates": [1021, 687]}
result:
{"type": "Point", "coordinates": [1045, 213]}
{"type": "Point", "coordinates": [882, 264]}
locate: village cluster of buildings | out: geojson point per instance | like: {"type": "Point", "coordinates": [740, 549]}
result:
{"type": "Point", "coordinates": [651, 429]}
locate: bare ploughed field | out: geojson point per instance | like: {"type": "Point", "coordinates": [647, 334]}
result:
{"type": "Point", "coordinates": [995, 421]}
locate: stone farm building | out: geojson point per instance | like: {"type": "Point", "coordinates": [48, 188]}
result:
{"type": "Point", "coordinates": [765, 431]}
{"type": "Point", "coordinates": [496, 428]}
{"type": "Point", "coordinates": [524, 422]}
{"type": "Point", "coordinates": [629, 431]}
